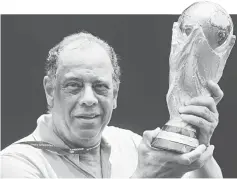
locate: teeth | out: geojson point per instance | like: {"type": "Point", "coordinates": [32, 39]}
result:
{"type": "Point", "coordinates": [89, 116]}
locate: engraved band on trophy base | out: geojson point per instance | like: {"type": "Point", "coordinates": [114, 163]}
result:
{"type": "Point", "coordinates": [176, 139]}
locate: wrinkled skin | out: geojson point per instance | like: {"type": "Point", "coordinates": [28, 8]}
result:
{"type": "Point", "coordinates": [83, 95]}
{"type": "Point", "coordinates": [156, 163]}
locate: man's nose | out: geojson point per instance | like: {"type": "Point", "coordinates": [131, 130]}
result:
{"type": "Point", "coordinates": [88, 98]}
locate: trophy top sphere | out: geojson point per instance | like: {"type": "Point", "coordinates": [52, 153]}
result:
{"type": "Point", "coordinates": [216, 23]}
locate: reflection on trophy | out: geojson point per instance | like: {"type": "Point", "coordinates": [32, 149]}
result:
{"type": "Point", "coordinates": [202, 40]}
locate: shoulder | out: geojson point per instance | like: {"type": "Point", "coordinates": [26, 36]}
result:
{"type": "Point", "coordinates": [120, 135]}
{"type": "Point", "coordinates": [16, 148]}
{"type": "Point", "coordinates": [124, 150]}
{"type": "Point", "coordinates": [24, 160]}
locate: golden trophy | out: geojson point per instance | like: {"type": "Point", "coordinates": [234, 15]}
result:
{"type": "Point", "coordinates": [202, 40]}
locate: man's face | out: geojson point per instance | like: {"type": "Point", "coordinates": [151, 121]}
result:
{"type": "Point", "coordinates": [84, 95]}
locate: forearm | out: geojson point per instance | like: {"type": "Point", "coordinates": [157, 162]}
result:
{"type": "Point", "coordinates": [210, 170]}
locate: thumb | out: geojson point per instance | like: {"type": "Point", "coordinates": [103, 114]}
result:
{"type": "Point", "coordinates": [149, 135]}
{"type": "Point", "coordinates": [215, 91]}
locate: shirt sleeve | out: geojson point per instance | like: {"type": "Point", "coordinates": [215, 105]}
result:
{"type": "Point", "coordinates": [17, 166]}
{"type": "Point", "coordinates": [136, 139]}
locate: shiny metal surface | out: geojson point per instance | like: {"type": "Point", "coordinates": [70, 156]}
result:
{"type": "Point", "coordinates": [214, 20]}
{"type": "Point", "coordinates": [202, 40]}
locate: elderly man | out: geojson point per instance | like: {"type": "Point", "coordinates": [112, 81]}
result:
{"type": "Point", "coordinates": [74, 139]}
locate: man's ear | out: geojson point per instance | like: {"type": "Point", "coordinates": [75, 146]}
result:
{"type": "Point", "coordinates": [115, 93]}
{"type": "Point", "coordinates": [49, 90]}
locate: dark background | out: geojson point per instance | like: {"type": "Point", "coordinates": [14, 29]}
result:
{"type": "Point", "coordinates": [143, 44]}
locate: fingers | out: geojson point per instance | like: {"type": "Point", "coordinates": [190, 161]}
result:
{"type": "Point", "coordinates": [199, 111]}
{"type": "Point", "coordinates": [207, 154]}
{"type": "Point", "coordinates": [215, 91]}
{"type": "Point", "coordinates": [203, 158]}
{"type": "Point", "coordinates": [189, 158]}
{"type": "Point", "coordinates": [208, 102]}
{"type": "Point", "coordinates": [195, 120]}
{"type": "Point", "coordinates": [149, 135]}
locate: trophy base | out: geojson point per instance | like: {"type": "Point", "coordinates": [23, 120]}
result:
{"type": "Point", "coordinates": [171, 146]}
{"type": "Point", "coordinates": [175, 139]}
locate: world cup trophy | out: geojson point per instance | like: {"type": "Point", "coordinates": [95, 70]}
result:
{"type": "Point", "coordinates": [202, 40]}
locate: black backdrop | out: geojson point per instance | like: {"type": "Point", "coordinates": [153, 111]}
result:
{"type": "Point", "coordinates": [143, 44]}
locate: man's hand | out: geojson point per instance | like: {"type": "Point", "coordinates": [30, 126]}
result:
{"type": "Point", "coordinates": [202, 113]}
{"type": "Point", "coordinates": [157, 163]}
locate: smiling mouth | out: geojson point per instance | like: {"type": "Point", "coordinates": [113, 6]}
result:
{"type": "Point", "coordinates": [91, 116]}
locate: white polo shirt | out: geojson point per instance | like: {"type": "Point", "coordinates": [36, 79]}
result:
{"type": "Point", "coordinates": [118, 153]}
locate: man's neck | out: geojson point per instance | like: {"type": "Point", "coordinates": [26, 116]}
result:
{"type": "Point", "coordinates": [92, 160]}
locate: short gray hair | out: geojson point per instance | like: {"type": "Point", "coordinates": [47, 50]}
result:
{"type": "Point", "coordinates": [85, 39]}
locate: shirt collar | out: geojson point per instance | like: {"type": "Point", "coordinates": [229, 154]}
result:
{"type": "Point", "coordinates": [44, 132]}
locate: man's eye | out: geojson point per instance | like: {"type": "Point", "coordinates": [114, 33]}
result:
{"type": "Point", "coordinates": [73, 85]}
{"type": "Point", "coordinates": [101, 87]}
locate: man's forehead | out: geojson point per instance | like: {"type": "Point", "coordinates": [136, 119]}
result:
{"type": "Point", "coordinates": [92, 56]}
{"type": "Point", "coordinates": [98, 74]}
